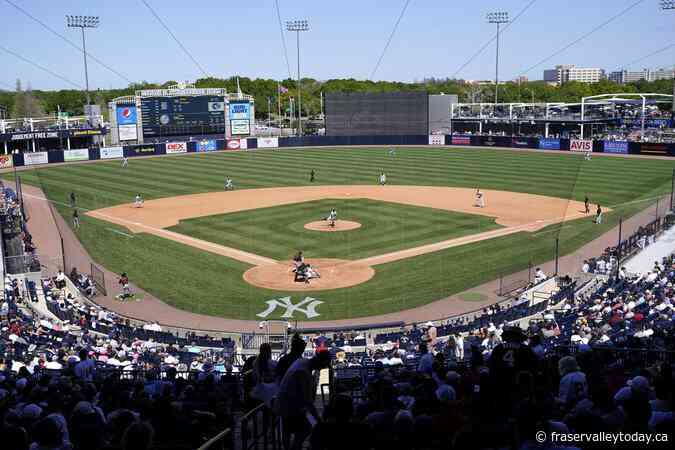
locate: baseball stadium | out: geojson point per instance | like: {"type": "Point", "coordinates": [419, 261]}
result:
{"type": "Point", "coordinates": [418, 264]}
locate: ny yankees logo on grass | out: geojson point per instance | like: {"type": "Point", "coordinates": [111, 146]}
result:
{"type": "Point", "coordinates": [286, 302]}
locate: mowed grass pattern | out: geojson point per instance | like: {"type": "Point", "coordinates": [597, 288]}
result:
{"type": "Point", "coordinates": [279, 231]}
{"type": "Point", "coordinates": [205, 283]}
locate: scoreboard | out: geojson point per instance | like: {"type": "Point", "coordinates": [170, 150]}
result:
{"type": "Point", "coordinates": [178, 116]}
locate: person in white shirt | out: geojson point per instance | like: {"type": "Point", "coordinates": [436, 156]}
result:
{"type": "Point", "coordinates": [586, 267]}
{"type": "Point", "coordinates": [459, 347]}
{"type": "Point", "coordinates": [539, 275]}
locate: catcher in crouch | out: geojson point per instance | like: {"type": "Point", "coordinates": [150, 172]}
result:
{"type": "Point", "coordinates": [303, 271]}
{"type": "Point", "coordinates": [332, 217]}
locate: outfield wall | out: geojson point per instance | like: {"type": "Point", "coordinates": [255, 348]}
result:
{"type": "Point", "coordinates": [211, 145]}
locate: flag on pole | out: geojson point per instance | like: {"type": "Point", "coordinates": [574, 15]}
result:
{"type": "Point", "coordinates": [282, 90]}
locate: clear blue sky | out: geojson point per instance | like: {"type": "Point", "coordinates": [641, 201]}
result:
{"type": "Point", "coordinates": [346, 38]}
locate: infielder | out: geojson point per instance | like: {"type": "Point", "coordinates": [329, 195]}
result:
{"type": "Point", "coordinates": [76, 219]}
{"type": "Point", "coordinates": [383, 178]}
{"type": "Point", "coordinates": [229, 186]}
{"type": "Point", "coordinates": [332, 217]}
{"type": "Point", "coordinates": [125, 162]}
{"type": "Point", "coordinates": [598, 215]}
{"type": "Point", "coordinates": [138, 201]}
{"type": "Point", "coordinates": [480, 199]}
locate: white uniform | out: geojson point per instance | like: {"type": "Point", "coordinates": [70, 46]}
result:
{"type": "Point", "coordinates": [138, 202]}
{"type": "Point", "coordinates": [480, 199]}
{"type": "Point", "coordinates": [332, 217]}
{"type": "Point", "coordinates": [588, 156]}
{"type": "Point", "coordinates": [228, 184]}
{"type": "Point", "coordinates": [392, 152]}
{"type": "Point", "coordinates": [125, 161]}
{"type": "Point", "coordinates": [383, 178]}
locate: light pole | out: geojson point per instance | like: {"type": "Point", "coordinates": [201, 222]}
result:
{"type": "Point", "coordinates": [298, 26]}
{"type": "Point", "coordinates": [669, 5]}
{"type": "Point", "coordinates": [83, 22]}
{"type": "Point", "coordinates": [498, 17]}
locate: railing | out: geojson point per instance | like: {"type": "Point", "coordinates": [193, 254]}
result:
{"type": "Point", "coordinates": [221, 441]}
{"type": "Point", "coordinates": [260, 428]}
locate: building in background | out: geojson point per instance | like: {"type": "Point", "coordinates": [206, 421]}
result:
{"type": "Point", "coordinates": [564, 73]}
{"type": "Point", "coordinates": [625, 76]}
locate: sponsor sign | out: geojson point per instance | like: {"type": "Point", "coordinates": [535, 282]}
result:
{"type": "Point", "coordinates": [461, 140]}
{"type": "Point", "coordinates": [489, 141]}
{"type": "Point", "coordinates": [549, 144]}
{"type": "Point", "coordinates": [34, 135]}
{"type": "Point", "coordinates": [31, 159]}
{"type": "Point", "coordinates": [268, 142]}
{"type": "Point", "coordinates": [78, 154]}
{"type": "Point", "coordinates": [240, 111]}
{"type": "Point", "coordinates": [520, 143]}
{"type": "Point", "coordinates": [240, 127]}
{"type": "Point", "coordinates": [436, 139]}
{"type": "Point", "coordinates": [80, 133]}
{"type": "Point", "coordinates": [236, 144]}
{"type": "Point", "coordinates": [111, 152]}
{"type": "Point", "coordinates": [126, 115]}
{"type": "Point", "coordinates": [6, 161]}
{"type": "Point", "coordinates": [206, 145]}
{"type": "Point", "coordinates": [176, 147]}
{"type": "Point", "coordinates": [216, 107]}
{"type": "Point", "coordinates": [654, 149]}
{"type": "Point", "coordinates": [142, 149]}
{"type": "Point", "coordinates": [620, 147]}
{"type": "Point", "coordinates": [127, 132]}
{"type": "Point", "coordinates": [581, 145]}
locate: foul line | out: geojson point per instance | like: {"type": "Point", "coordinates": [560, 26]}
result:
{"type": "Point", "coordinates": [120, 232]}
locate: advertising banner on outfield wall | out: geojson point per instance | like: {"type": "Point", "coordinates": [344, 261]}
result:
{"type": "Point", "coordinates": [141, 150]}
{"type": "Point", "coordinates": [31, 159]}
{"type": "Point", "coordinates": [240, 127]}
{"type": "Point", "coordinates": [6, 161]}
{"type": "Point", "coordinates": [549, 144]}
{"type": "Point", "coordinates": [460, 140]}
{"type": "Point", "coordinates": [176, 147]}
{"type": "Point", "coordinates": [521, 143]}
{"type": "Point", "coordinates": [436, 139]}
{"type": "Point", "coordinates": [77, 154]}
{"type": "Point", "coordinates": [206, 145]}
{"type": "Point", "coordinates": [268, 142]}
{"type": "Point", "coordinates": [653, 149]}
{"type": "Point", "coordinates": [111, 152]}
{"type": "Point", "coordinates": [237, 144]}
{"type": "Point", "coordinates": [620, 147]}
{"type": "Point", "coordinates": [581, 145]}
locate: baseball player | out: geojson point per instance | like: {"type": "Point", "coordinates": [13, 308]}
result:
{"type": "Point", "coordinates": [311, 176]}
{"type": "Point", "coordinates": [480, 199]}
{"type": "Point", "coordinates": [229, 186]}
{"type": "Point", "coordinates": [76, 219]}
{"type": "Point", "coordinates": [587, 205]}
{"type": "Point", "coordinates": [332, 217]}
{"type": "Point", "coordinates": [587, 156]}
{"type": "Point", "coordinates": [138, 201]}
{"type": "Point", "coordinates": [383, 178]}
{"type": "Point", "coordinates": [73, 200]}
{"type": "Point", "coordinates": [125, 162]}
{"type": "Point", "coordinates": [392, 151]}
{"type": "Point", "coordinates": [598, 215]}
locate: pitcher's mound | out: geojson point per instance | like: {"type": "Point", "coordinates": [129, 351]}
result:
{"type": "Point", "coordinates": [340, 225]}
{"type": "Point", "coordinates": [335, 273]}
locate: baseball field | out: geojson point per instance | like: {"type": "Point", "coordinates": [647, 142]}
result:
{"type": "Point", "coordinates": [418, 239]}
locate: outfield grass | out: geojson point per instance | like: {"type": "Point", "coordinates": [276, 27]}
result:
{"type": "Point", "coordinates": [202, 282]}
{"type": "Point", "coordinates": [279, 231]}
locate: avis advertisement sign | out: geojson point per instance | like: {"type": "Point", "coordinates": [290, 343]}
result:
{"type": "Point", "coordinates": [581, 145]}
{"type": "Point", "coordinates": [176, 147]}
{"type": "Point", "coordinates": [436, 139]}
{"type": "Point", "coordinates": [619, 147]}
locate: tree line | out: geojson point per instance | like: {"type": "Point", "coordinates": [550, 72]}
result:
{"type": "Point", "coordinates": [35, 103]}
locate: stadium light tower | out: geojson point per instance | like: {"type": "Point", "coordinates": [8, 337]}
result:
{"type": "Point", "coordinates": [669, 5]}
{"type": "Point", "coordinates": [498, 17]}
{"type": "Point", "coordinates": [83, 22]}
{"type": "Point", "coordinates": [298, 26]}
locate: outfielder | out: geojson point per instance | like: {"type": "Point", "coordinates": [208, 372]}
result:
{"type": "Point", "coordinates": [229, 186]}
{"type": "Point", "coordinates": [383, 178]}
{"type": "Point", "coordinates": [480, 199]}
{"type": "Point", "coordinates": [587, 156]}
{"type": "Point", "coordinates": [138, 201]}
{"type": "Point", "coordinates": [125, 162]}
{"type": "Point", "coordinates": [392, 151]}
